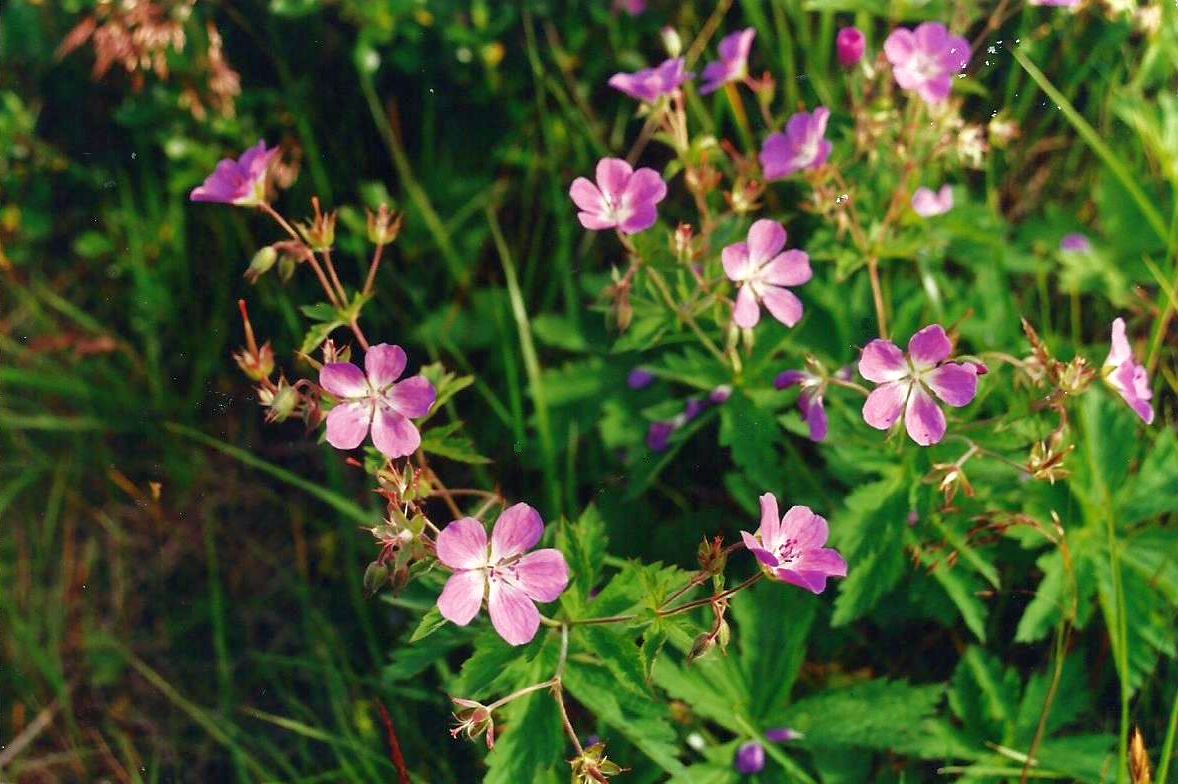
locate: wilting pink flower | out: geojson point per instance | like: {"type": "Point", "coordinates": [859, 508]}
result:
{"type": "Point", "coordinates": [763, 270]}
{"type": "Point", "coordinates": [905, 383]}
{"type": "Point", "coordinates": [928, 203]}
{"type": "Point", "coordinates": [1075, 243]}
{"type": "Point", "coordinates": [241, 182]}
{"type": "Point", "coordinates": [733, 64]}
{"type": "Point", "coordinates": [803, 145]}
{"type": "Point", "coordinates": [511, 578]}
{"type": "Point", "coordinates": [926, 59]}
{"type": "Point", "coordinates": [791, 549]}
{"type": "Point", "coordinates": [375, 400]}
{"type": "Point", "coordinates": [750, 758]}
{"type": "Point", "coordinates": [810, 400]}
{"type": "Point", "coordinates": [622, 197]}
{"type": "Point", "coordinates": [650, 84]}
{"type": "Point", "coordinates": [1127, 377]}
{"type": "Point", "coordinates": [850, 44]}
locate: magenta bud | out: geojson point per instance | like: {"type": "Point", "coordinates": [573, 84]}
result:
{"type": "Point", "coordinates": [850, 45]}
{"type": "Point", "coordinates": [639, 378]}
{"type": "Point", "coordinates": [783, 735]}
{"type": "Point", "coordinates": [750, 758]}
{"type": "Point", "coordinates": [1075, 243]}
{"type": "Point", "coordinates": [659, 436]}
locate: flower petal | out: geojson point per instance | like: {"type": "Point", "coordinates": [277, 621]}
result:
{"type": "Point", "coordinates": [517, 530]}
{"type": "Point", "coordinates": [641, 217]}
{"type": "Point", "coordinates": [612, 176]}
{"type": "Point", "coordinates": [885, 404]}
{"type": "Point", "coordinates": [645, 186]}
{"type": "Point", "coordinates": [929, 347]}
{"type": "Point", "coordinates": [766, 239]}
{"type": "Point", "coordinates": [791, 268]}
{"type": "Point", "coordinates": [770, 529]}
{"type": "Point", "coordinates": [783, 304]}
{"type": "Point", "coordinates": [586, 196]}
{"type": "Point", "coordinates": [807, 529]}
{"type": "Point", "coordinates": [735, 258]}
{"type": "Point", "coordinates": [384, 364]}
{"type": "Point", "coordinates": [882, 361]}
{"type": "Point", "coordinates": [924, 419]}
{"type": "Point", "coordinates": [463, 544]}
{"type": "Point", "coordinates": [747, 313]}
{"type": "Point", "coordinates": [824, 560]}
{"type": "Point", "coordinates": [543, 574]}
{"type": "Point", "coordinates": [900, 46]}
{"type": "Point", "coordinates": [1120, 350]}
{"type": "Point", "coordinates": [956, 385]}
{"type": "Point", "coordinates": [413, 397]}
{"type": "Point", "coordinates": [393, 434]}
{"type": "Point", "coordinates": [790, 378]}
{"type": "Point", "coordinates": [347, 424]}
{"type": "Point", "coordinates": [513, 614]}
{"type": "Point", "coordinates": [759, 552]}
{"type": "Point", "coordinates": [815, 414]}
{"type": "Point", "coordinates": [775, 157]}
{"type": "Point", "coordinates": [343, 379]}
{"type": "Point", "coordinates": [462, 596]}
{"type": "Point", "coordinates": [811, 581]}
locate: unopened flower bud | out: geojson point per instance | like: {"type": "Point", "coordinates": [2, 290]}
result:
{"type": "Point", "coordinates": [681, 242]}
{"type": "Point", "coordinates": [258, 364]}
{"type": "Point", "coordinates": [750, 758]}
{"type": "Point", "coordinates": [383, 226]}
{"type": "Point", "coordinates": [671, 41]}
{"type": "Point", "coordinates": [850, 44]}
{"type": "Point", "coordinates": [319, 232]}
{"type": "Point", "coordinates": [703, 645]}
{"type": "Point", "coordinates": [711, 555]}
{"type": "Point", "coordinates": [281, 402]}
{"type": "Point", "coordinates": [375, 577]}
{"type": "Point", "coordinates": [593, 767]}
{"type": "Point", "coordinates": [261, 263]}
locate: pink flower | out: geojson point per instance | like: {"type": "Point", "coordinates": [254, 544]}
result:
{"type": "Point", "coordinates": [811, 399]}
{"type": "Point", "coordinates": [1127, 377]}
{"type": "Point", "coordinates": [733, 64]}
{"type": "Point", "coordinates": [375, 401]}
{"type": "Point", "coordinates": [622, 198]}
{"type": "Point", "coordinates": [850, 44]}
{"type": "Point", "coordinates": [650, 84]}
{"type": "Point", "coordinates": [631, 7]}
{"type": "Point", "coordinates": [763, 270]}
{"type": "Point", "coordinates": [790, 549]}
{"type": "Point", "coordinates": [802, 146]}
{"type": "Point", "coordinates": [1075, 243]}
{"type": "Point", "coordinates": [241, 182]}
{"type": "Point", "coordinates": [928, 204]}
{"type": "Point", "coordinates": [511, 579]}
{"type": "Point", "coordinates": [904, 384]}
{"type": "Point", "coordinates": [926, 59]}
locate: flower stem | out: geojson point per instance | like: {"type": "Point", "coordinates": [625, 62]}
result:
{"type": "Point", "coordinates": [877, 296]}
{"type": "Point", "coordinates": [370, 282]}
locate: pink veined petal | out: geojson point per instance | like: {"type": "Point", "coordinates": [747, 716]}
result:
{"type": "Point", "coordinates": [384, 364]}
{"type": "Point", "coordinates": [596, 221]}
{"type": "Point", "coordinates": [819, 118]}
{"type": "Point", "coordinates": [791, 268]}
{"type": "Point", "coordinates": [463, 544]}
{"type": "Point", "coordinates": [347, 424]}
{"type": "Point", "coordinates": [823, 154]}
{"type": "Point", "coordinates": [612, 176]}
{"type": "Point", "coordinates": [735, 258]}
{"type": "Point", "coordinates": [882, 361]}
{"type": "Point", "coordinates": [1131, 381]}
{"type": "Point", "coordinates": [931, 37]}
{"type": "Point", "coordinates": [1119, 351]}
{"type": "Point", "coordinates": [798, 127]}
{"type": "Point", "coordinates": [824, 560]}
{"type": "Point", "coordinates": [393, 434]}
{"type": "Point", "coordinates": [747, 313]}
{"type": "Point", "coordinates": [783, 304]}
{"type": "Point", "coordinates": [766, 239]}
{"type": "Point", "coordinates": [586, 196]}
{"type": "Point", "coordinates": [936, 90]}
{"type": "Point", "coordinates": [254, 159]}
{"type": "Point", "coordinates": [956, 53]}
{"type": "Point", "coordinates": [513, 614]}
{"type": "Point", "coordinates": [413, 397]}
{"type": "Point", "coordinates": [714, 76]}
{"type": "Point", "coordinates": [641, 218]}
{"type": "Point", "coordinates": [462, 596]}
{"type": "Point", "coordinates": [543, 575]}
{"type": "Point", "coordinates": [900, 46]}
{"type": "Point", "coordinates": [645, 186]}
{"type": "Point", "coordinates": [956, 385]}
{"type": "Point", "coordinates": [770, 529]}
{"type": "Point", "coordinates": [760, 553]}
{"type": "Point", "coordinates": [775, 157]}
{"type": "Point", "coordinates": [929, 347]}
{"type": "Point", "coordinates": [517, 530]}
{"type": "Point", "coordinates": [807, 529]}
{"type": "Point", "coordinates": [815, 414]}
{"type": "Point", "coordinates": [924, 419]}
{"type": "Point", "coordinates": [885, 404]}
{"type": "Point", "coordinates": [343, 379]}
{"type": "Point", "coordinates": [811, 581]}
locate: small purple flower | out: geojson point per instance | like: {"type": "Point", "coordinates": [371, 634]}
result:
{"type": "Point", "coordinates": [374, 400]}
{"type": "Point", "coordinates": [927, 203]}
{"type": "Point", "coordinates": [1129, 379]}
{"type": "Point", "coordinates": [622, 198]}
{"type": "Point", "coordinates": [803, 146]}
{"type": "Point", "coordinates": [658, 437]}
{"type": "Point", "coordinates": [1075, 243]}
{"type": "Point", "coordinates": [694, 408]}
{"type": "Point", "coordinates": [733, 64]}
{"type": "Point", "coordinates": [720, 395]}
{"type": "Point", "coordinates": [905, 383]}
{"type": "Point", "coordinates": [926, 59]}
{"type": "Point", "coordinates": [783, 735]}
{"type": "Point", "coordinates": [639, 378]}
{"type": "Point", "coordinates": [511, 578]}
{"type": "Point", "coordinates": [750, 758]}
{"type": "Point", "coordinates": [763, 271]}
{"type": "Point", "coordinates": [850, 43]}
{"type": "Point", "coordinates": [650, 84]}
{"type": "Point", "coordinates": [241, 182]}
{"type": "Point", "coordinates": [810, 400]}
{"type": "Point", "coordinates": [790, 548]}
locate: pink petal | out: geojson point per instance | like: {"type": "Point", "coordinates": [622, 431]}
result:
{"type": "Point", "coordinates": [586, 196]}
{"type": "Point", "coordinates": [735, 258]}
{"type": "Point", "coordinates": [956, 385]}
{"type": "Point", "coordinates": [775, 157]}
{"type": "Point", "coordinates": [783, 304]}
{"type": "Point", "coordinates": [747, 313]}
{"type": "Point", "coordinates": [766, 239]}
{"type": "Point", "coordinates": [956, 53]}
{"type": "Point", "coordinates": [885, 404]}
{"type": "Point", "coordinates": [343, 379]}
{"type": "Point", "coordinates": [596, 221]}
{"type": "Point", "coordinates": [936, 90]}
{"type": "Point", "coordinates": [462, 596]}
{"type": "Point", "coordinates": [641, 218]}
{"type": "Point", "coordinates": [645, 186]}
{"type": "Point", "coordinates": [413, 397]}
{"type": "Point", "coordinates": [900, 46]}
{"type": "Point", "coordinates": [931, 37]}
{"type": "Point", "coordinates": [824, 560]}
{"type": "Point", "coordinates": [815, 414]}
{"type": "Point", "coordinates": [393, 434]}
{"type": "Point", "coordinates": [463, 544]}
{"type": "Point", "coordinates": [791, 268]}
{"type": "Point", "coordinates": [517, 530]}
{"type": "Point", "coordinates": [612, 176]}
{"type": "Point", "coordinates": [770, 529]}
{"type": "Point", "coordinates": [929, 347]}
{"type": "Point", "coordinates": [1132, 382]}
{"type": "Point", "coordinates": [347, 424]}
{"type": "Point", "coordinates": [811, 581]}
{"type": "Point", "coordinates": [924, 419]}
{"type": "Point", "coordinates": [1120, 349]}
{"type": "Point", "coordinates": [513, 614]}
{"type": "Point", "coordinates": [807, 529]}
{"type": "Point", "coordinates": [759, 552]}
{"type": "Point", "coordinates": [543, 575]}
{"type": "Point", "coordinates": [882, 361]}
{"type": "Point", "coordinates": [384, 364]}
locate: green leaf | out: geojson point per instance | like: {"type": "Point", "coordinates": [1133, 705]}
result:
{"type": "Point", "coordinates": [429, 623]}
{"type": "Point", "coordinates": [320, 311]}
{"type": "Point", "coordinates": [409, 661]}
{"type": "Point", "coordinates": [293, 8]}
{"type": "Point", "coordinates": [772, 628]}
{"type": "Point", "coordinates": [446, 442]}
{"type": "Point", "coordinates": [1088, 759]}
{"type": "Point", "coordinates": [494, 668]}
{"type": "Point", "coordinates": [583, 544]}
{"type": "Point", "coordinates": [559, 332]}
{"type": "Point", "coordinates": [533, 745]}
{"type": "Point", "coordinates": [618, 650]}
{"type": "Point", "coordinates": [713, 687]}
{"type": "Point", "coordinates": [1150, 628]}
{"type": "Point", "coordinates": [985, 696]}
{"type": "Point", "coordinates": [1154, 492]}
{"type": "Point", "coordinates": [962, 589]}
{"type": "Point", "coordinates": [752, 434]}
{"type": "Point", "coordinates": [870, 533]}
{"type": "Point", "coordinates": [879, 714]}
{"type": "Point", "coordinates": [316, 335]}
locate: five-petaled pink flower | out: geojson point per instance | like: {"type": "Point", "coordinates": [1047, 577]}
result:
{"type": "Point", "coordinates": [763, 270]}
{"type": "Point", "coordinates": [510, 578]}
{"type": "Point", "coordinates": [905, 382]}
{"type": "Point", "coordinates": [928, 203]}
{"type": "Point", "coordinates": [850, 44]}
{"type": "Point", "coordinates": [650, 84]}
{"type": "Point", "coordinates": [241, 182]}
{"type": "Point", "coordinates": [1127, 377]}
{"type": "Point", "coordinates": [926, 59]}
{"type": "Point", "coordinates": [803, 145]}
{"type": "Point", "coordinates": [376, 401]}
{"type": "Point", "coordinates": [622, 198]}
{"type": "Point", "coordinates": [791, 549]}
{"type": "Point", "coordinates": [733, 64]}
